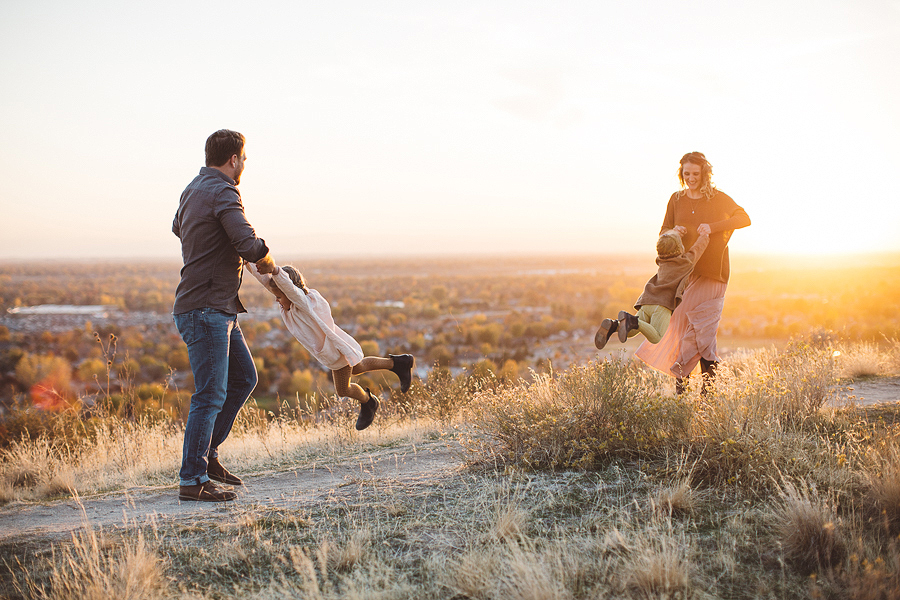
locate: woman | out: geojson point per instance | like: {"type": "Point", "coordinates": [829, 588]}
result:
{"type": "Point", "coordinates": [691, 337]}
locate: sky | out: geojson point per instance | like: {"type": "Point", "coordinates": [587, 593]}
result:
{"type": "Point", "coordinates": [421, 128]}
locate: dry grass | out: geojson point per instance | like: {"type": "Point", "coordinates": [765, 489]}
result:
{"type": "Point", "coordinates": [93, 567]}
{"type": "Point", "coordinates": [578, 419]}
{"type": "Point", "coordinates": [759, 420]}
{"type": "Point", "coordinates": [883, 486]}
{"type": "Point", "coordinates": [678, 499]}
{"type": "Point", "coordinates": [594, 483]}
{"type": "Point", "coordinates": [868, 359]}
{"type": "Point", "coordinates": [479, 535]}
{"type": "Point", "coordinates": [809, 530]}
{"type": "Point", "coordinates": [659, 564]}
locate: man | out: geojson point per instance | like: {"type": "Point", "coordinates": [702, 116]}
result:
{"type": "Point", "coordinates": [215, 240]}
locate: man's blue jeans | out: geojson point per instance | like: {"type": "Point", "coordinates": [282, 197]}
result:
{"type": "Point", "coordinates": [224, 376]}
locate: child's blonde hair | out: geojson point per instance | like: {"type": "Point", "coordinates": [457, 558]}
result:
{"type": "Point", "coordinates": [295, 275]}
{"type": "Point", "coordinates": [669, 245]}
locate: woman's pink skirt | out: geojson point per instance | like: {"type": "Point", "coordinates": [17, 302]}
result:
{"type": "Point", "coordinates": [692, 330]}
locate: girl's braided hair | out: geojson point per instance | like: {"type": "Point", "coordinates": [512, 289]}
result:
{"type": "Point", "coordinates": [296, 278]}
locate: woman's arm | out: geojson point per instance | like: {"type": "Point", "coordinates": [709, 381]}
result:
{"type": "Point", "coordinates": [738, 220]}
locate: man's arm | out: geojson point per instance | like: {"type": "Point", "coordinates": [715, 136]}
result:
{"type": "Point", "coordinates": [230, 213]}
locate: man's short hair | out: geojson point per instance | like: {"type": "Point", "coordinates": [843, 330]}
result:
{"type": "Point", "coordinates": [222, 145]}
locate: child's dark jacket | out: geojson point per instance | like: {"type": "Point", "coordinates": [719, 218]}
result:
{"type": "Point", "coordinates": [667, 286]}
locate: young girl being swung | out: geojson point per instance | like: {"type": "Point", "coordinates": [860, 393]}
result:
{"type": "Point", "coordinates": [307, 316]}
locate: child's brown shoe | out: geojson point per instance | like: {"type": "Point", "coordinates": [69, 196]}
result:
{"type": "Point", "coordinates": [627, 323]}
{"type": "Point", "coordinates": [607, 328]}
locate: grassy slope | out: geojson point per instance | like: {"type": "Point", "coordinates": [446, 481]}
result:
{"type": "Point", "coordinates": [647, 518]}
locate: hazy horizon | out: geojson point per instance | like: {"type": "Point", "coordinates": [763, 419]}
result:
{"type": "Point", "coordinates": [891, 256]}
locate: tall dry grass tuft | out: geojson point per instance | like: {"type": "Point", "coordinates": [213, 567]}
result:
{"type": "Point", "coordinates": [882, 479]}
{"type": "Point", "coordinates": [868, 359]}
{"type": "Point", "coordinates": [314, 578]}
{"type": "Point", "coordinates": [656, 560]}
{"type": "Point", "coordinates": [808, 529]}
{"type": "Point", "coordinates": [678, 499]}
{"type": "Point", "coordinates": [442, 397]}
{"type": "Point", "coordinates": [95, 568]}
{"type": "Point", "coordinates": [790, 385]}
{"type": "Point", "coordinates": [471, 574]}
{"type": "Point", "coordinates": [509, 523]}
{"type": "Point", "coordinates": [763, 420]}
{"type": "Point", "coordinates": [32, 469]}
{"type": "Point", "coordinates": [578, 419]}
{"type": "Point", "coordinates": [530, 575]}
{"type": "Point", "coordinates": [659, 572]}
{"type": "Point", "coordinates": [320, 568]}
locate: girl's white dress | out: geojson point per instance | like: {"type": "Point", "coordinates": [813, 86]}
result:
{"type": "Point", "coordinates": [309, 320]}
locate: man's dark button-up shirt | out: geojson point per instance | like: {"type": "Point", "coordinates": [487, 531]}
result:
{"type": "Point", "coordinates": [215, 236]}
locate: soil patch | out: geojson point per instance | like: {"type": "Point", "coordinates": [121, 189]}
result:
{"type": "Point", "coordinates": [872, 390]}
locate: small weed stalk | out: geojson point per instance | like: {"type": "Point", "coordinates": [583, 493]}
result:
{"type": "Point", "coordinates": [108, 351]}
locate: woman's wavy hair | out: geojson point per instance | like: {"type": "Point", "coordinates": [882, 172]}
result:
{"type": "Point", "coordinates": [706, 187]}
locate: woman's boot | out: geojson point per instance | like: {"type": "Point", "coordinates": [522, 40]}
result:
{"type": "Point", "coordinates": [708, 370]}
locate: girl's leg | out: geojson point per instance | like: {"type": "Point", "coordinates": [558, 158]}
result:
{"type": "Point", "coordinates": [401, 365]}
{"type": "Point", "coordinates": [368, 404]}
{"type": "Point", "coordinates": [344, 388]}
{"type": "Point", "coordinates": [372, 363]}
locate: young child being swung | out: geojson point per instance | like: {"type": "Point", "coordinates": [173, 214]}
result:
{"type": "Point", "coordinates": [661, 294]}
{"type": "Point", "coordinates": [307, 316]}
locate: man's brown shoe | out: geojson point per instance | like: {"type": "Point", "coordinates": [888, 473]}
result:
{"type": "Point", "coordinates": [216, 471]}
{"type": "Point", "coordinates": [205, 492]}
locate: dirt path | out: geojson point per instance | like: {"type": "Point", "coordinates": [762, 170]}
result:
{"type": "Point", "coordinates": [876, 390]}
{"type": "Point", "coordinates": [411, 465]}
